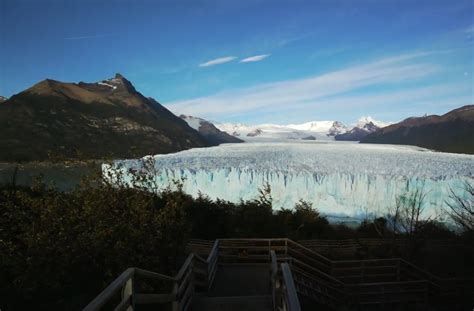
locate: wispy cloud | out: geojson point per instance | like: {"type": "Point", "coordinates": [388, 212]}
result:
{"type": "Point", "coordinates": [255, 58]}
{"type": "Point", "coordinates": [89, 37]}
{"type": "Point", "coordinates": [218, 61]}
{"type": "Point", "coordinates": [470, 30]}
{"type": "Point", "coordinates": [312, 91]}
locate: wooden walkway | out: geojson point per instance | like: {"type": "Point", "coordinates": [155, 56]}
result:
{"type": "Point", "coordinates": [275, 274]}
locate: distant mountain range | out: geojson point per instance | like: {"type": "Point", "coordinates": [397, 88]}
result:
{"type": "Point", "coordinates": [314, 130]}
{"type": "Point", "coordinates": [451, 132]}
{"type": "Point", "coordinates": [109, 118]}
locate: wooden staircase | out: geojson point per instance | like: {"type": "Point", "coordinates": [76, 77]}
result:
{"type": "Point", "coordinates": [280, 274]}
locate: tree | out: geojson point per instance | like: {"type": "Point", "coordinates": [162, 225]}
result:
{"type": "Point", "coordinates": [460, 207]}
{"type": "Point", "coordinates": [406, 215]}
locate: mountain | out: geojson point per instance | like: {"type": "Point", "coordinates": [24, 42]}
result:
{"type": "Point", "coordinates": [319, 126]}
{"type": "Point", "coordinates": [54, 119]}
{"type": "Point", "coordinates": [314, 130]}
{"type": "Point", "coordinates": [2, 99]}
{"type": "Point", "coordinates": [364, 126]}
{"type": "Point", "coordinates": [211, 134]}
{"type": "Point", "coordinates": [451, 132]}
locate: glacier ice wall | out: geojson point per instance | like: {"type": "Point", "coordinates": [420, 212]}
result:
{"type": "Point", "coordinates": [338, 178]}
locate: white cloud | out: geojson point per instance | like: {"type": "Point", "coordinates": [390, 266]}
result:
{"type": "Point", "coordinates": [255, 58]}
{"type": "Point", "coordinates": [470, 30]}
{"type": "Point", "coordinates": [89, 37]}
{"type": "Point", "coordinates": [334, 91]}
{"type": "Point", "coordinates": [311, 92]}
{"type": "Point", "coordinates": [218, 61]}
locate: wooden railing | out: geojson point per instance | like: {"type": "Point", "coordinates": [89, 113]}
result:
{"type": "Point", "coordinates": [274, 282]}
{"type": "Point", "coordinates": [290, 297]}
{"type": "Point", "coordinates": [383, 293]}
{"type": "Point", "coordinates": [194, 272]}
{"type": "Point", "coordinates": [284, 294]}
{"type": "Point", "coordinates": [341, 281]}
{"type": "Point", "coordinates": [180, 295]}
{"type": "Point", "coordinates": [211, 263]}
{"type": "Point", "coordinates": [334, 283]}
{"type": "Point", "coordinates": [366, 271]}
{"type": "Point", "coordinates": [357, 243]}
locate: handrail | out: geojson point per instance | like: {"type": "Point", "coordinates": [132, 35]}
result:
{"type": "Point", "coordinates": [110, 290]}
{"type": "Point", "coordinates": [129, 275]}
{"type": "Point", "coordinates": [291, 297]}
{"type": "Point", "coordinates": [319, 272]}
{"type": "Point", "coordinates": [273, 278]}
{"type": "Point", "coordinates": [211, 262]}
{"type": "Point", "coordinates": [184, 267]}
{"type": "Point", "coordinates": [151, 274]}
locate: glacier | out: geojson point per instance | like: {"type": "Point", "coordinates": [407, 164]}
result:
{"type": "Point", "coordinates": [339, 178]}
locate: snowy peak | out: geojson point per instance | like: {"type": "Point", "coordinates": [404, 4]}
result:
{"type": "Point", "coordinates": [2, 99]}
{"type": "Point", "coordinates": [118, 83]}
{"type": "Point", "coordinates": [313, 126]}
{"type": "Point", "coordinates": [368, 121]}
{"type": "Point", "coordinates": [364, 127]}
{"type": "Point", "coordinates": [337, 128]}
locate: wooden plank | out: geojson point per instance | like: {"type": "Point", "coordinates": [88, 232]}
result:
{"type": "Point", "coordinates": [153, 298]}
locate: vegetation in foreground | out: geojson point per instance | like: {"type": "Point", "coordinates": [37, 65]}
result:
{"type": "Point", "coordinates": [59, 249]}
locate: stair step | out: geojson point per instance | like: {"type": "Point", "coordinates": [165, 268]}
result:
{"type": "Point", "coordinates": [235, 303]}
{"type": "Point", "coordinates": [241, 280]}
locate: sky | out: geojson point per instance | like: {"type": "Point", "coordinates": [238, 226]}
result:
{"type": "Point", "coordinates": [252, 62]}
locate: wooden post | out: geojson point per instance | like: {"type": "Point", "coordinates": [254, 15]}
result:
{"type": "Point", "coordinates": [175, 306]}
{"type": "Point", "coordinates": [269, 250]}
{"type": "Point", "coordinates": [398, 270]}
{"type": "Point", "coordinates": [128, 291]}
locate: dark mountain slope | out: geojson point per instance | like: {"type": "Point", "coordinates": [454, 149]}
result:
{"type": "Point", "coordinates": [89, 120]}
{"type": "Point", "coordinates": [451, 132]}
{"type": "Point", "coordinates": [357, 133]}
{"type": "Point", "coordinates": [211, 134]}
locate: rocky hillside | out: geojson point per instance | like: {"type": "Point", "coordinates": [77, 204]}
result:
{"type": "Point", "coordinates": [211, 134]}
{"type": "Point", "coordinates": [451, 132]}
{"type": "Point", "coordinates": [107, 119]}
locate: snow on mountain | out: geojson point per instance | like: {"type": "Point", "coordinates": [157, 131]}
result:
{"type": "Point", "coordinates": [339, 178]}
{"type": "Point", "coordinates": [114, 87]}
{"type": "Point", "coordinates": [337, 128]}
{"type": "Point", "coordinates": [211, 134]}
{"type": "Point", "coordinates": [319, 130]}
{"type": "Point", "coordinates": [363, 121]}
{"type": "Point", "coordinates": [313, 126]}
{"type": "Point", "coordinates": [193, 122]}
{"type": "Point", "coordinates": [363, 127]}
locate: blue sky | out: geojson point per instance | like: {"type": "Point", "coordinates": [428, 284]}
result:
{"type": "Point", "coordinates": [276, 61]}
